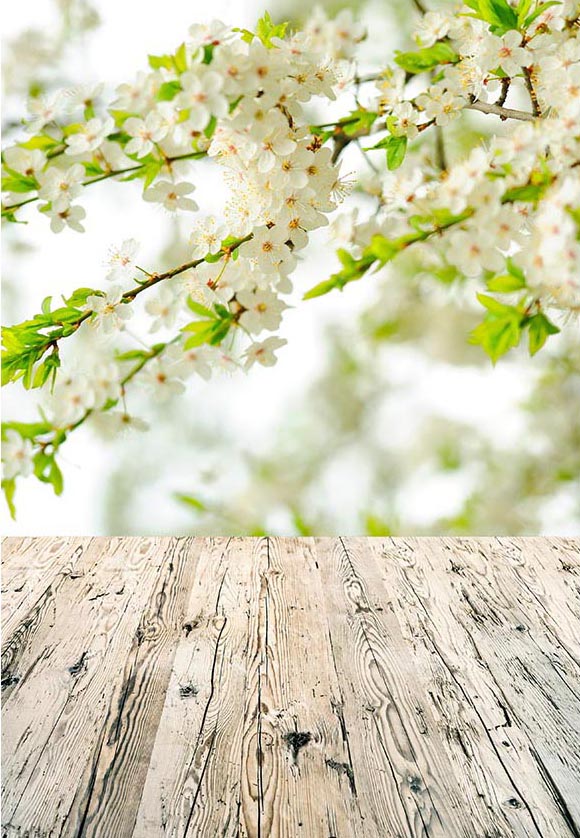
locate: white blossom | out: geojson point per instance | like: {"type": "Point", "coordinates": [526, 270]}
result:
{"type": "Point", "coordinates": [109, 310]}
{"type": "Point", "coordinates": [263, 352]}
{"type": "Point", "coordinates": [263, 310]}
{"type": "Point", "coordinates": [89, 137]}
{"type": "Point", "coordinates": [121, 261]}
{"type": "Point", "coordinates": [171, 195]}
{"type": "Point", "coordinates": [17, 455]}
{"type": "Point", "coordinates": [61, 186]}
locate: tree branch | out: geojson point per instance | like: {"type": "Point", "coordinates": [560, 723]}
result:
{"type": "Point", "coordinates": [503, 113]}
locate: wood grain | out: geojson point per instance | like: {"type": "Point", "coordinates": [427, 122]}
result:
{"type": "Point", "coordinates": [293, 688]}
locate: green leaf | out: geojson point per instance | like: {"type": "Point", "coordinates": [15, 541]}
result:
{"type": "Point", "coordinates": [27, 430]}
{"type": "Point", "coordinates": [15, 182]}
{"type": "Point", "coordinates": [266, 29]}
{"type": "Point", "coordinates": [197, 308]}
{"type": "Point", "coordinates": [498, 13]}
{"type": "Point", "coordinates": [132, 355]}
{"type": "Point", "coordinates": [494, 306]}
{"type": "Point", "coordinates": [522, 10]}
{"type": "Point", "coordinates": [515, 270]}
{"type": "Point", "coordinates": [384, 249]}
{"type": "Point", "coordinates": [322, 288]}
{"type": "Point", "coordinates": [396, 150]}
{"type": "Point", "coordinates": [359, 121]}
{"type": "Point", "coordinates": [55, 478]}
{"type": "Point", "coordinates": [93, 169]}
{"type": "Point", "coordinates": [156, 62]}
{"type": "Point", "coordinates": [501, 329]}
{"type": "Point", "coordinates": [422, 60]}
{"type": "Point", "coordinates": [9, 489]}
{"type": "Point", "coordinates": [168, 91]}
{"type": "Point", "coordinates": [41, 141]}
{"type": "Point", "coordinates": [531, 192]}
{"type": "Point", "coordinates": [540, 329]}
{"type": "Point", "coordinates": [222, 312]}
{"type": "Point", "coordinates": [180, 59]}
{"type": "Point", "coordinates": [149, 171]}
{"type": "Point", "coordinates": [78, 298]}
{"type": "Point", "coordinates": [506, 283]}
{"type": "Point", "coordinates": [206, 331]}
{"type": "Point", "coordinates": [189, 500]}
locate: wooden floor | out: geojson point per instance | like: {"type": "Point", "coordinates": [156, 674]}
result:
{"type": "Point", "coordinates": [306, 688]}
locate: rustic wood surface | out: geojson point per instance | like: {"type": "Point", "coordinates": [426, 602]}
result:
{"type": "Point", "coordinates": [305, 688]}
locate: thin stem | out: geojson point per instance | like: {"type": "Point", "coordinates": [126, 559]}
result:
{"type": "Point", "coordinates": [194, 155]}
{"type": "Point", "coordinates": [154, 353]}
{"type": "Point", "coordinates": [129, 296]}
{"type": "Point", "coordinates": [440, 155]}
{"type": "Point", "coordinates": [532, 91]}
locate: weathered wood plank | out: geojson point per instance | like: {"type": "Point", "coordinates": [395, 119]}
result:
{"type": "Point", "coordinates": [303, 735]}
{"type": "Point", "coordinates": [109, 801]}
{"type": "Point", "coordinates": [540, 685]}
{"type": "Point", "coordinates": [192, 764]}
{"type": "Point", "coordinates": [487, 743]}
{"type": "Point", "coordinates": [422, 776]}
{"type": "Point", "coordinates": [70, 667]}
{"type": "Point", "coordinates": [29, 568]}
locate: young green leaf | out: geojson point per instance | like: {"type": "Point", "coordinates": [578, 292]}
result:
{"type": "Point", "coordinates": [197, 308]}
{"type": "Point", "coordinates": [266, 29]}
{"type": "Point", "coordinates": [505, 283]}
{"type": "Point", "coordinates": [501, 329]}
{"type": "Point", "coordinates": [396, 150]}
{"type": "Point", "coordinates": [540, 329]}
{"type": "Point", "coordinates": [422, 60]}
{"type": "Point", "coordinates": [9, 489]}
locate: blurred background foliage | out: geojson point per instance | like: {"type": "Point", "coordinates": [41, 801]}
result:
{"type": "Point", "coordinates": [400, 426]}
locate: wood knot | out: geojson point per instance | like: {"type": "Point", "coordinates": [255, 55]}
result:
{"type": "Point", "coordinates": [297, 739]}
{"type": "Point", "coordinates": [188, 691]}
{"type": "Point", "coordinates": [415, 784]}
{"type": "Point", "coordinates": [79, 665]}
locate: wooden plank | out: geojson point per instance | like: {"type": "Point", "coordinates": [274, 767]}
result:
{"type": "Point", "coordinates": [108, 799]}
{"type": "Point", "coordinates": [545, 579]}
{"type": "Point", "coordinates": [192, 787]}
{"type": "Point", "coordinates": [260, 763]}
{"type": "Point", "coordinates": [303, 738]}
{"type": "Point", "coordinates": [70, 668]}
{"type": "Point", "coordinates": [34, 611]}
{"type": "Point", "coordinates": [487, 747]}
{"type": "Point", "coordinates": [402, 769]}
{"type": "Point", "coordinates": [29, 567]}
{"type": "Point", "coordinates": [541, 687]}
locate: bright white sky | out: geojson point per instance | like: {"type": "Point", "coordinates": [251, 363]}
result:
{"type": "Point", "coordinates": [254, 403]}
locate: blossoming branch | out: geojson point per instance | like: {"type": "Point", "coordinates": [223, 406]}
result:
{"type": "Point", "coordinates": [505, 219]}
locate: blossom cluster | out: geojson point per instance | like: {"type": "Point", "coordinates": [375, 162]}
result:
{"type": "Point", "coordinates": [239, 100]}
{"type": "Point", "coordinates": [508, 214]}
